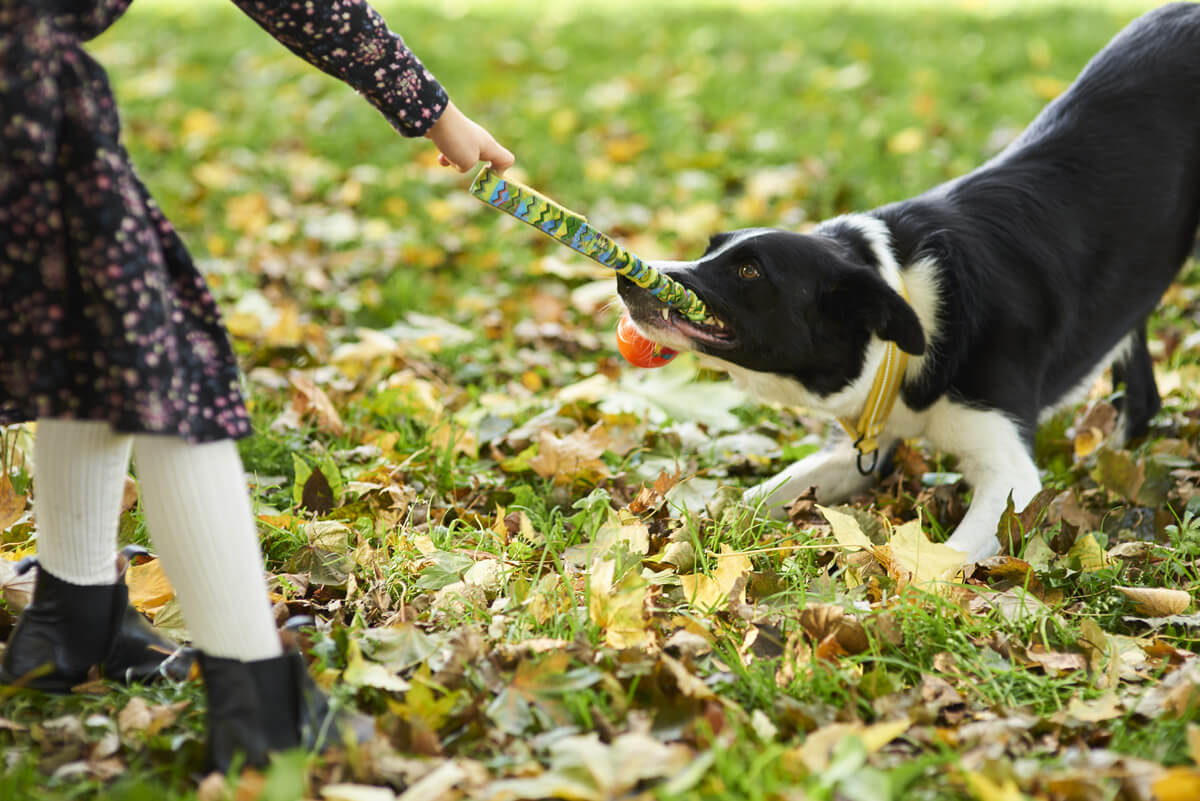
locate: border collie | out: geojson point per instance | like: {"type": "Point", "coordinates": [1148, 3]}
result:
{"type": "Point", "coordinates": [1024, 279]}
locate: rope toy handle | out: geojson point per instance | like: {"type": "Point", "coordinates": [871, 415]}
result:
{"type": "Point", "coordinates": [573, 230]}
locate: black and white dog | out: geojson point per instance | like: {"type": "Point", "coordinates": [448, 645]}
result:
{"type": "Point", "coordinates": [1025, 279]}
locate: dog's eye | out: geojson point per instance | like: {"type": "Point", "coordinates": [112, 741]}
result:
{"type": "Point", "coordinates": [749, 272]}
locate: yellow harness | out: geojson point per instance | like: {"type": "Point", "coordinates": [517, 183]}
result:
{"type": "Point", "coordinates": [884, 391]}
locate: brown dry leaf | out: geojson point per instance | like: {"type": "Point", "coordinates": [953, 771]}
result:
{"type": "Point", "coordinates": [707, 592]}
{"type": "Point", "coordinates": [575, 457]}
{"type": "Point", "coordinates": [213, 787]}
{"type": "Point", "coordinates": [1056, 663]}
{"type": "Point", "coordinates": [139, 716]}
{"type": "Point", "coordinates": [310, 400]}
{"type": "Point", "coordinates": [1098, 423]}
{"type": "Point", "coordinates": [12, 505]}
{"type": "Point", "coordinates": [829, 622]}
{"type": "Point", "coordinates": [149, 587]}
{"type": "Point", "coordinates": [1156, 601]}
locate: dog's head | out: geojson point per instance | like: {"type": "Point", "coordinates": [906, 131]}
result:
{"type": "Point", "coordinates": [804, 306]}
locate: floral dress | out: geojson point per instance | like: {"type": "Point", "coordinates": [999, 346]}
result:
{"type": "Point", "coordinates": [103, 315]}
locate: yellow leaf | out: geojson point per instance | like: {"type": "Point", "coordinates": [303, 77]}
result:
{"type": "Point", "coordinates": [910, 554]}
{"type": "Point", "coordinates": [149, 588]}
{"type": "Point", "coordinates": [984, 789]}
{"type": "Point", "coordinates": [878, 735]}
{"type": "Point", "coordinates": [906, 142]}
{"type": "Point", "coordinates": [846, 529]}
{"type": "Point", "coordinates": [1089, 553]}
{"type": "Point", "coordinates": [455, 439]}
{"type": "Point", "coordinates": [199, 125]}
{"type": "Point", "coordinates": [1193, 738]}
{"type": "Point", "coordinates": [1087, 441]}
{"type": "Point", "coordinates": [618, 607]}
{"type": "Point", "coordinates": [1047, 88]}
{"type": "Point", "coordinates": [706, 592]}
{"type": "Point", "coordinates": [12, 504]}
{"type": "Point", "coordinates": [214, 175]}
{"type": "Point", "coordinates": [1156, 601]}
{"type": "Point", "coordinates": [1177, 784]}
{"type": "Point", "coordinates": [817, 750]}
{"type": "Point", "coordinates": [626, 149]}
{"type": "Point", "coordinates": [248, 213]}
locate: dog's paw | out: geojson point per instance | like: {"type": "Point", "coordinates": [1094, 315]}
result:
{"type": "Point", "coordinates": [977, 548]}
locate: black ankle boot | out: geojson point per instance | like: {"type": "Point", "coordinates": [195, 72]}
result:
{"type": "Point", "coordinates": [68, 629]}
{"type": "Point", "coordinates": [256, 708]}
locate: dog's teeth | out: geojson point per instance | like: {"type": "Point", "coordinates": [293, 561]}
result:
{"type": "Point", "coordinates": [666, 314]}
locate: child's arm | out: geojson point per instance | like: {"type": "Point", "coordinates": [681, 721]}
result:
{"type": "Point", "coordinates": [350, 41]}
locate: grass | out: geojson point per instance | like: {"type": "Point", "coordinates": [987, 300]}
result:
{"type": "Point", "coordinates": [665, 122]}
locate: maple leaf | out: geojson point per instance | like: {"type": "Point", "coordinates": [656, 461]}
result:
{"type": "Point", "coordinates": [706, 592]}
{"type": "Point", "coordinates": [575, 457]}
{"type": "Point", "coordinates": [618, 606]}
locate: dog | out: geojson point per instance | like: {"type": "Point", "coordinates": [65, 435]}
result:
{"type": "Point", "coordinates": [994, 299]}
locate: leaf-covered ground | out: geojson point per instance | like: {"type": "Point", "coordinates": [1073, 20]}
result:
{"type": "Point", "coordinates": [521, 552]}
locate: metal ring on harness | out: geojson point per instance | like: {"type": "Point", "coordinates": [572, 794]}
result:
{"type": "Point", "coordinates": [859, 461]}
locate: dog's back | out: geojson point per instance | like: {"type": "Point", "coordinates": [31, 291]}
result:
{"type": "Point", "coordinates": [1076, 229]}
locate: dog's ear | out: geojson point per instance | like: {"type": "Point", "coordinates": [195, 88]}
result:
{"type": "Point", "coordinates": [863, 294]}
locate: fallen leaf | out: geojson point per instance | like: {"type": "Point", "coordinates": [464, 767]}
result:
{"type": "Point", "coordinates": [309, 400]}
{"type": "Point", "coordinates": [360, 672]}
{"type": "Point", "coordinates": [12, 505]}
{"type": "Point", "coordinates": [436, 785]}
{"type": "Point", "coordinates": [356, 792]}
{"type": "Point", "coordinates": [846, 529]}
{"type": "Point", "coordinates": [985, 789]}
{"type": "Point", "coordinates": [910, 555]}
{"type": "Point", "coordinates": [826, 623]}
{"type": "Point", "coordinates": [818, 748]}
{"type": "Point", "coordinates": [575, 457]}
{"type": "Point", "coordinates": [1105, 707]}
{"type": "Point", "coordinates": [707, 592]}
{"type": "Point", "coordinates": [582, 768]}
{"type": "Point", "coordinates": [149, 587]}
{"type": "Point", "coordinates": [1156, 601]}
{"type": "Point", "coordinates": [1177, 784]}
{"type": "Point", "coordinates": [618, 606]}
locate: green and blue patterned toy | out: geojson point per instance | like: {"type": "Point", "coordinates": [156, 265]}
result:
{"type": "Point", "coordinates": [573, 230]}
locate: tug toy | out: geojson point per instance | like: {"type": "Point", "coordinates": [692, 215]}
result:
{"type": "Point", "coordinates": [573, 230]}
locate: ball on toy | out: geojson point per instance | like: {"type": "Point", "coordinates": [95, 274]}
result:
{"type": "Point", "coordinates": [637, 350]}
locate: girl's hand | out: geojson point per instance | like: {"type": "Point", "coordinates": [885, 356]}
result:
{"type": "Point", "coordinates": [463, 142]}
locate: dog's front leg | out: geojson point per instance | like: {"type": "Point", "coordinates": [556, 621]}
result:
{"type": "Point", "coordinates": [995, 461]}
{"type": "Point", "coordinates": [833, 470]}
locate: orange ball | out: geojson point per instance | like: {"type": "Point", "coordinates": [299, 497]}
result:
{"type": "Point", "coordinates": [637, 350]}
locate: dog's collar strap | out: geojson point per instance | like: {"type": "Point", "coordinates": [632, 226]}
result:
{"type": "Point", "coordinates": [882, 398]}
